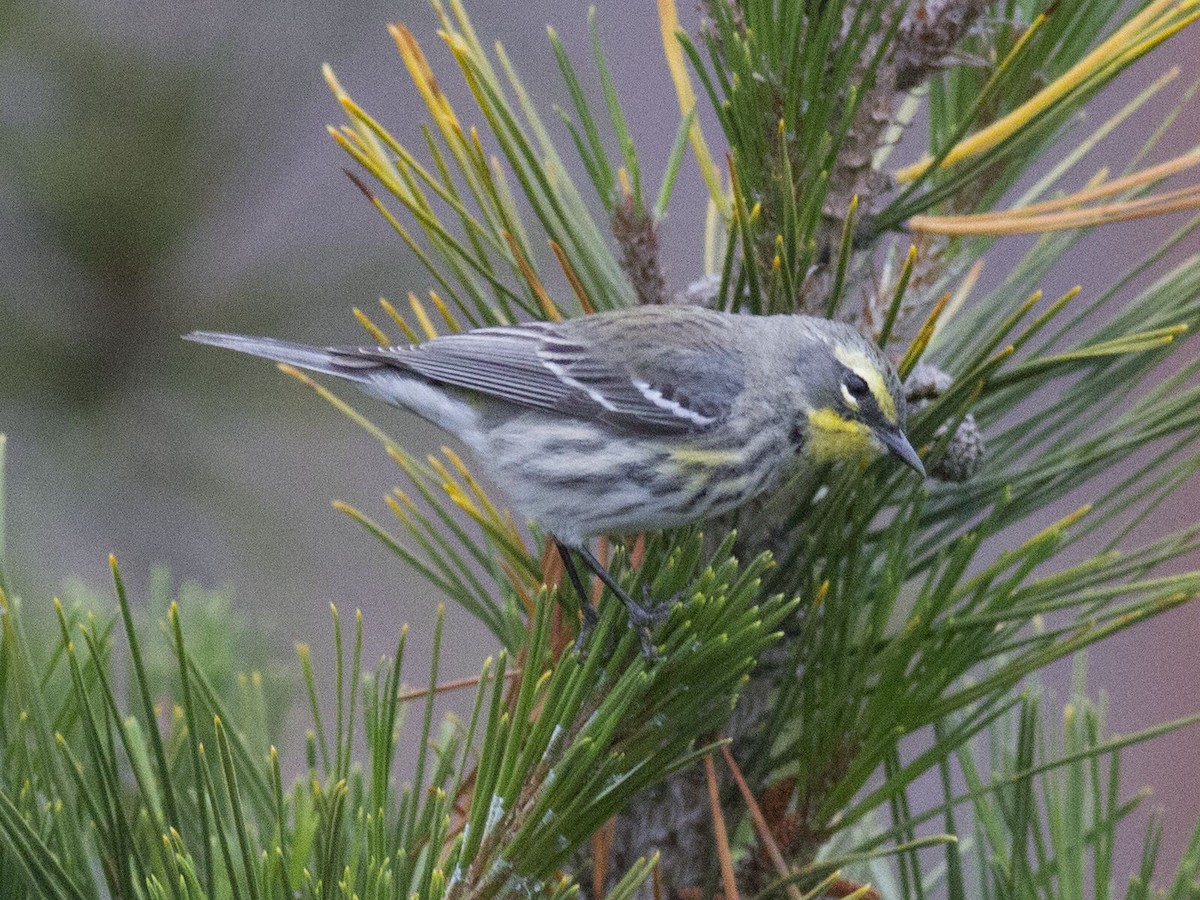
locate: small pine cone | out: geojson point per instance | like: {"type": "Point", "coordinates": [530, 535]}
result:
{"type": "Point", "coordinates": [964, 454]}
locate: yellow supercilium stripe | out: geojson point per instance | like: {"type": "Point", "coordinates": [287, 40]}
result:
{"type": "Point", "coordinates": [863, 366]}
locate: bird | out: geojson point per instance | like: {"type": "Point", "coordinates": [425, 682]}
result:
{"type": "Point", "coordinates": [634, 419]}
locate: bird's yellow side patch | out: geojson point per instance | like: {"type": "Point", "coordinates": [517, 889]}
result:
{"type": "Point", "coordinates": [702, 464]}
{"type": "Point", "coordinates": [700, 457]}
{"type": "Point", "coordinates": [866, 369]}
{"type": "Point", "coordinates": [832, 438]}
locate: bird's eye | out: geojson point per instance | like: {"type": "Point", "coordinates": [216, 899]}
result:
{"type": "Point", "coordinates": [856, 385]}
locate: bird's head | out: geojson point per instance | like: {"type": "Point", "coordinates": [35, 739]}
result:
{"type": "Point", "coordinates": [856, 407]}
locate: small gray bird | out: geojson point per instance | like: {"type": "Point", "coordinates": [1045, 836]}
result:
{"type": "Point", "coordinates": [634, 419]}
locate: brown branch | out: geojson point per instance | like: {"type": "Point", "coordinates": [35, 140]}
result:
{"type": "Point", "coordinates": [637, 237]}
{"type": "Point", "coordinates": [446, 686]}
{"type": "Point", "coordinates": [761, 827]}
{"type": "Point", "coordinates": [636, 231]}
{"type": "Point", "coordinates": [602, 842]}
{"type": "Point", "coordinates": [720, 836]}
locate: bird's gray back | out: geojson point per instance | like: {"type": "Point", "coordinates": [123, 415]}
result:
{"type": "Point", "coordinates": [647, 370]}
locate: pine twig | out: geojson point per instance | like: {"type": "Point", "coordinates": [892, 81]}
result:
{"type": "Point", "coordinates": [720, 835]}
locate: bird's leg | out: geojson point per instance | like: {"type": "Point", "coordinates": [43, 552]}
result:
{"type": "Point", "coordinates": [590, 618]}
{"type": "Point", "coordinates": [641, 615]}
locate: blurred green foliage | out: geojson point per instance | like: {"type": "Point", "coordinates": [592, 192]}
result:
{"type": "Point", "coordinates": [108, 175]}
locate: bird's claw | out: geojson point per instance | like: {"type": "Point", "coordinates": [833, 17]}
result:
{"type": "Point", "coordinates": [646, 614]}
{"type": "Point", "coordinates": [649, 612]}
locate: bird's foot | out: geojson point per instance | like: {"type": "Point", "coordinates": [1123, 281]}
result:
{"type": "Point", "coordinates": [642, 615]}
{"type": "Point", "coordinates": [649, 611]}
{"type": "Point", "coordinates": [645, 614]}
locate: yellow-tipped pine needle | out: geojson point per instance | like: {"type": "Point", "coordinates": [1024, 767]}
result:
{"type": "Point", "coordinates": [1057, 528]}
{"type": "Point", "coordinates": [405, 328]}
{"type": "Point", "coordinates": [548, 308]}
{"type": "Point", "coordinates": [822, 593]}
{"type": "Point", "coordinates": [402, 495]}
{"type": "Point", "coordinates": [447, 316]}
{"type": "Point", "coordinates": [422, 75]}
{"type": "Point", "coordinates": [376, 333]}
{"type": "Point", "coordinates": [455, 492]}
{"type": "Point", "coordinates": [1017, 222]}
{"type": "Point", "coordinates": [626, 187]}
{"type": "Point", "coordinates": [1157, 22]}
{"type": "Point", "coordinates": [347, 139]}
{"type": "Point", "coordinates": [473, 483]}
{"type": "Point", "coordinates": [399, 511]}
{"type": "Point", "coordinates": [668, 19]}
{"type": "Point", "coordinates": [917, 348]}
{"type": "Point", "coordinates": [585, 302]}
{"type": "Point", "coordinates": [463, 502]}
{"type": "Point", "coordinates": [423, 321]}
{"type": "Point", "coordinates": [335, 86]}
{"type": "Point", "coordinates": [346, 409]}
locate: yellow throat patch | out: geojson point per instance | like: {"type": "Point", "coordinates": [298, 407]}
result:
{"type": "Point", "coordinates": [832, 438]}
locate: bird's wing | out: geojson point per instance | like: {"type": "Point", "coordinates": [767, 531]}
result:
{"type": "Point", "coordinates": [627, 380]}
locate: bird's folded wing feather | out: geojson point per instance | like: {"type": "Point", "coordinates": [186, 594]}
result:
{"type": "Point", "coordinates": [633, 383]}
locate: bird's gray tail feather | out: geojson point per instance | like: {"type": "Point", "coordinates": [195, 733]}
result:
{"type": "Point", "coordinates": [303, 356]}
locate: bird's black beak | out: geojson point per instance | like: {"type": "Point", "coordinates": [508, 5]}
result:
{"type": "Point", "coordinates": [897, 442]}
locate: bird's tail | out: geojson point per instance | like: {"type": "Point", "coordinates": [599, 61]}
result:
{"type": "Point", "coordinates": [303, 356]}
{"type": "Point", "coordinates": [378, 375]}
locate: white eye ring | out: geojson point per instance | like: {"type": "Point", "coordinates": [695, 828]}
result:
{"type": "Point", "coordinates": [850, 401]}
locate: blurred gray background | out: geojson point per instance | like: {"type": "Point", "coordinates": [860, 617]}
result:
{"type": "Point", "coordinates": [165, 167]}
